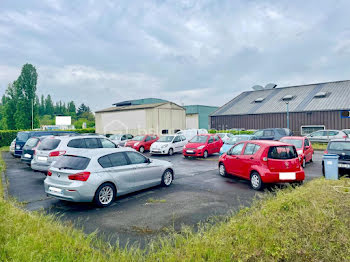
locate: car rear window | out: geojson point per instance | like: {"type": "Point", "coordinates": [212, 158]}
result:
{"type": "Point", "coordinates": [49, 144]}
{"type": "Point", "coordinates": [21, 136]}
{"type": "Point", "coordinates": [339, 145]}
{"type": "Point", "coordinates": [72, 162]}
{"type": "Point", "coordinates": [282, 152]}
{"type": "Point", "coordinates": [32, 142]}
{"type": "Point", "coordinates": [298, 143]}
{"type": "Point", "coordinates": [77, 143]}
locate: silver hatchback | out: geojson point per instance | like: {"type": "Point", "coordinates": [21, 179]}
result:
{"type": "Point", "coordinates": [102, 174]}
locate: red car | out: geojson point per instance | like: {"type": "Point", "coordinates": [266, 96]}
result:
{"type": "Point", "coordinates": [142, 143]}
{"type": "Point", "coordinates": [202, 146]}
{"type": "Point", "coordinates": [303, 146]}
{"type": "Point", "coordinates": [262, 162]}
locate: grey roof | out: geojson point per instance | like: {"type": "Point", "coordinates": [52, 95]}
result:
{"type": "Point", "coordinates": [337, 98]}
{"type": "Point", "coordinates": [131, 107]}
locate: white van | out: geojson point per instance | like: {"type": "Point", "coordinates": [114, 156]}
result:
{"type": "Point", "coordinates": [190, 133]}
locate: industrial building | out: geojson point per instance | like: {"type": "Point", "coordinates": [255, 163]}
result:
{"type": "Point", "coordinates": [197, 116]}
{"type": "Point", "coordinates": [310, 108]}
{"type": "Point", "coordinates": [142, 116]}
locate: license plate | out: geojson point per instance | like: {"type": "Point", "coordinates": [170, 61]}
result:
{"type": "Point", "coordinates": [27, 156]}
{"type": "Point", "coordinates": [42, 158]}
{"type": "Point", "coordinates": [287, 176]}
{"type": "Point", "coordinates": [344, 165]}
{"type": "Point", "coordinates": [55, 189]}
{"type": "Point", "coordinates": [190, 151]}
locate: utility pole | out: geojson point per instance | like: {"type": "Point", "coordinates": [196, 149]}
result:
{"type": "Point", "coordinates": [287, 114]}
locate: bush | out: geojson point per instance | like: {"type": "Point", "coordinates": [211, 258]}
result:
{"type": "Point", "coordinates": [6, 136]}
{"type": "Point", "coordinates": [234, 132]}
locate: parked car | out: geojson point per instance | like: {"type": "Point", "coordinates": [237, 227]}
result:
{"type": "Point", "coordinates": [272, 133]}
{"type": "Point", "coordinates": [347, 131]}
{"type": "Point", "coordinates": [303, 146]}
{"type": "Point", "coordinates": [29, 148]}
{"type": "Point", "coordinates": [12, 147]}
{"type": "Point", "coordinates": [324, 136]}
{"type": "Point", "coordinates": [101, 175]}
{"type": "Point", "coordinates": [51, 148]}
{"type": "Point", "coordinates": [142, 143]}
{"type": "Point", "coordinates": [22, 138]}
{"type": "Point", "coordinates": [190, 133]}
{"type": "Point", "coordinates": [262, 162]}
{"type": "Point", "coordinates": [120, 139]}
{"type": "Point", "coordinates": [234, 140]}
{"type": "Point", "coordinates": [225, 136]}
{"type": "Point", "coordinates": [169, 144]}
{"type": "Point", "coordinates": [202, 146]}
{"type": "Point", "coordinates": [340, 147]}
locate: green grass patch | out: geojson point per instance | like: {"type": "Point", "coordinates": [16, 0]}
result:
{"type": "Point", "coordinates": [308, 223]}
{"type": "Point", "coordinates": [153, 201]}
{"type": "Point", "coordinates": [319, 146]}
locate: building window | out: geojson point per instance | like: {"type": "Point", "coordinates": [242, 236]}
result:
{"type": "Point", "coordinates": [165, 131]}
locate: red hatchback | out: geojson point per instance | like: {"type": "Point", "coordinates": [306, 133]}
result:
{"type": "Point", "coordinates": [142, 143]}
{"type": "Point", "coordinates": [303, 146]}
{"type": "Point", "coordinates": [202, 146]}
{"type": "Point", "coordinates": [262, 162]}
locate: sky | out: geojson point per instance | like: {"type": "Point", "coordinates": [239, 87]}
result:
{"type": "Point", "coordinates": [188, 52]}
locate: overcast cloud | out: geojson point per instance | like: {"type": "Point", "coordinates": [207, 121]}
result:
{"type": "Point", "coordinates": [188, 52]}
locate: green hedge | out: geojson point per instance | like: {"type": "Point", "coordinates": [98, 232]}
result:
{"type": "Point", "coordinates": [234, 132]}
{"type": "Point", "coordinates": [6, 136]}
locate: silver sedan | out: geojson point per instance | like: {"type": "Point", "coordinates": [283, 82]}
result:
{"type": "Point", "coordinates": [102, 174]}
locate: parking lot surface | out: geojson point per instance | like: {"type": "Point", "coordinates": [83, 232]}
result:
{"type": "Point", "coordinates": [197, 194]}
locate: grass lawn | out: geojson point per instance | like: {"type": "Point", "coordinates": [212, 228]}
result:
{"type": "Point", "coordinates": [319, 146]}
{"type": "Point", "coordinates": [308, 223]}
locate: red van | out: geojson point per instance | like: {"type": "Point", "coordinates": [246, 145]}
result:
{"type": "Point", "coordinates": [263, 162]}
{"type": "Point", "coordinates": [202, 146]}
{"type": "Point", "coordinates": [142, 143]}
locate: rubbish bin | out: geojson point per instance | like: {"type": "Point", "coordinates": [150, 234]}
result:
{"type": "Point", "coordinates": [331, 170]}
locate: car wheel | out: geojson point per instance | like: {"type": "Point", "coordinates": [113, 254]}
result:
{"type": "Point", "coordinates": [255, 181]}
{"type": "Point", "coordinates": [297, 183]}
{"type": "Point", "coordinates": [222, 170]}
{"type": "Point", "coordinates": [311, 159]}
{"type": "Point", "coordinates": [167, 178]}
{"type": "Point", "coordinates": [323, 172]}
{"type": "Point", "coordinates": [171, 152]}
{"type": "Point", "coordinates": [304, 163]}
{"type": "Point", "coordinates": [185, 156]}
{"type": "Point", "coordinates": [205, 154]}
{"type": "Point", "coordinates": [141, 149]}
{"type": "Point", "coordinates": [105, 195]}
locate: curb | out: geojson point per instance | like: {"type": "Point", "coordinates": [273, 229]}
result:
{"type": "Point", "coordinates": [4, 182]}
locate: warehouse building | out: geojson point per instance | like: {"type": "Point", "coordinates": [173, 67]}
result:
{"type": "Point", "coordinates": [143, 116]}
{"type": "Point", "coordinates": [197, 116]}
{"type": "Point", "coordinates": [311, 107]}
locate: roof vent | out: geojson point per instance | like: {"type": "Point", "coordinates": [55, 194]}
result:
{"type": "Point", "coordinates": [320, 95]}
{"type": "Point", "coordinates": [259, 100]}
{"type": "Point", "coordinates": [270, 86]}
{"type": "Point", "coordinates": [287, 97]}
{"type": "Point", "coordinates": [257, 88]}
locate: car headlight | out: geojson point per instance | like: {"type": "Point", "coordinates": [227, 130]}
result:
{"type": "Point", "coordinates": [200, 147]}
{"type": "Point", "coordinates": [136, 143]}
{"type": "Point", "coordinates": [164, 146]}
{"type": "Point", "coordinates": [299, 152]}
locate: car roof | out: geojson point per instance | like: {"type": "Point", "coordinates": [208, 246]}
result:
{"type": "Point", "coordinates": [98, 152]}
{"type": "Point", "coordinates": [340, 140]}
{"type": "Point", "coordinates": [266, 142]}
{"type": "Point", "coordinates": [294, 137]}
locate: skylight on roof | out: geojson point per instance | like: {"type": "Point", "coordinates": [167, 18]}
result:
{"type": "Point", "coordinates": [259, 100]}
{"type": "Point", "coordinates": [320, 95]}
{"type": "Point", "coordinates": [287, 97]}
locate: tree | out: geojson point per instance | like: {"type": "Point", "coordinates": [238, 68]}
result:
{"type": "Point", "coordinates": [49, 108]}
{"type": "Point", "coordinates": [9, 106]}
{"type": "Point", "coordinates": [42, 106]}
{"type": "Point", "coordinates": [83, 109]}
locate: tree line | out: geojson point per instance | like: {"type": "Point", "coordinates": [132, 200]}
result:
{"type": "Point", "coordinates": [21, 108]}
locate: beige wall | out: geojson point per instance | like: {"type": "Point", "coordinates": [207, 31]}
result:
{"type": "Point", "coordinates": [192, 121]}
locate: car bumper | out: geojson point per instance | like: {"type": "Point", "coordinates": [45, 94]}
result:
{"type": "Point", "coordinates": [42, 167]}
{"type": "Point", "coordinates": [274, 177]}
{"type": "Point", "coordinates": [75, 192]}
{"type": "Point", "coordinates": [18, 153]}
{"type": "Point", "coordinates": [26, 160]}
{"type": "Point", "coordinates": [193, 152]}
{"type": "Point", "coordinates": [159, 151]}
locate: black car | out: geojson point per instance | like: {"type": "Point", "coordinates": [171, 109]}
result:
{"type": "Point", "coordinates": [272, 133]}
{"type": "Point", "coordinates": [29, 147]}
{"type": "Point", "coordinates": [340, 147]}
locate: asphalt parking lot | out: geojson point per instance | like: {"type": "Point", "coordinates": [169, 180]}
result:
{"type": "Point", "coordinates": [197, 194]}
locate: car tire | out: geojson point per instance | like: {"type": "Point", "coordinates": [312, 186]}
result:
{"type": "Point", "coordinates": [323, 172]}
{"type": "Point", "coordinates": [311, 159]}
{"type": "Point", "coordinates": [105, 195]}
{"type": "Point", "coordinates": [141, 149]}
{"type": "Point", "coordinates": [205, 154]}
{"type": "Point", "coordinates": [304, 163]}
{"type": "Point", "coordinates": [167, 178]}
{"type": "Point", "coordinates": [170, 152]}
{"type": "Point", "coordinates": [255, 181]}
{"type": "Point", "coordinates": [297, 183]}
{"type": "Point", "coordinates": [222, 170]}
{"type": "Point", "coordinates": [186, 157]}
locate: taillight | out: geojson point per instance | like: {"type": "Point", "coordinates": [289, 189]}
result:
{"type": "Point", "coordinates": [345, 136]}
{"type": "Point", "coordinates": [57, 153]}
{"type": "Point", "coordinates": [82, 176]}
{"type": "Point", "coordinates": [326, 152]}
{"type": "Point", "coordinates": [49, 173]}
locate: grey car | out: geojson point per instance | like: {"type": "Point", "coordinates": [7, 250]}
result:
{"type": "Point", "coordinates": [102, 174]}
{"type": "Point", "coordinates": [324, 136]}
{"type": "Point", "coordinates": [53, 147]}
{"type": "Point", "coordinates": [121, 139]}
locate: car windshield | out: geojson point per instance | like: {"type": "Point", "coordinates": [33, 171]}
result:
{"type": "Point", "coordinates": [298, 143]}
{"type": "Point", "coordinates": [236, 139]}
{"type": "Point", "coordinates": [32, 142]}
{"type": "Point", "coordinates": [221, 135]}
{"type": "Point", "coordinates": [72, 162]}
{"type": "Point", "coordinates": [346, 132]}
{"type": "Point", "coordinates": [138, 138]}
{"type": "Point", "coordinates": [49, 144]}
{"type": "Point", "coordinates": [21, 136]}
{"type": "Point", "coordinates": [199, 139]}
{"type": "Point", "coordinates": [339, 145]}
{"type": "Point", "coordinates": [166, 139]}
{"type": "Point", "coordinates": [282, 152]}
{"type": "Point", "coordinates": [115, 137]}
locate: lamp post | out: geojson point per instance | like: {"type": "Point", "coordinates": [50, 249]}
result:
{"type": "Point", "coordinates": [287, 103]}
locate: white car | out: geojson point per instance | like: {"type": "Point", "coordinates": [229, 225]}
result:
{"type": "Point", "coordinates": [191, 133]}
{"type": "Point", "coordinates": [121, 139]}
{"type": "Point", "coordinates": [12, 146]}
{"type": "Point", "coordinates": [168, 144]}
{"type": "Point", "coordinates": [225, 136]}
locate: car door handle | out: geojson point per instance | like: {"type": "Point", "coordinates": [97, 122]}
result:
{"type": "Point", "coordinates": [237, 157]}
{"type": "Point", "coordinates": [252, 158]}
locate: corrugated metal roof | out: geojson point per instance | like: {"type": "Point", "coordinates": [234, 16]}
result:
{"type": "Point", "coordinates": [131, 107]}
{"type": "Point", "coordinates": [142, 101]}
{"type": "Point", "coordinates": [337, 98]}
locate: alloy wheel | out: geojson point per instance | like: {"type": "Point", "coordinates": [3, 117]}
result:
{"type": "Point", "coordinates": [105, 195]}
